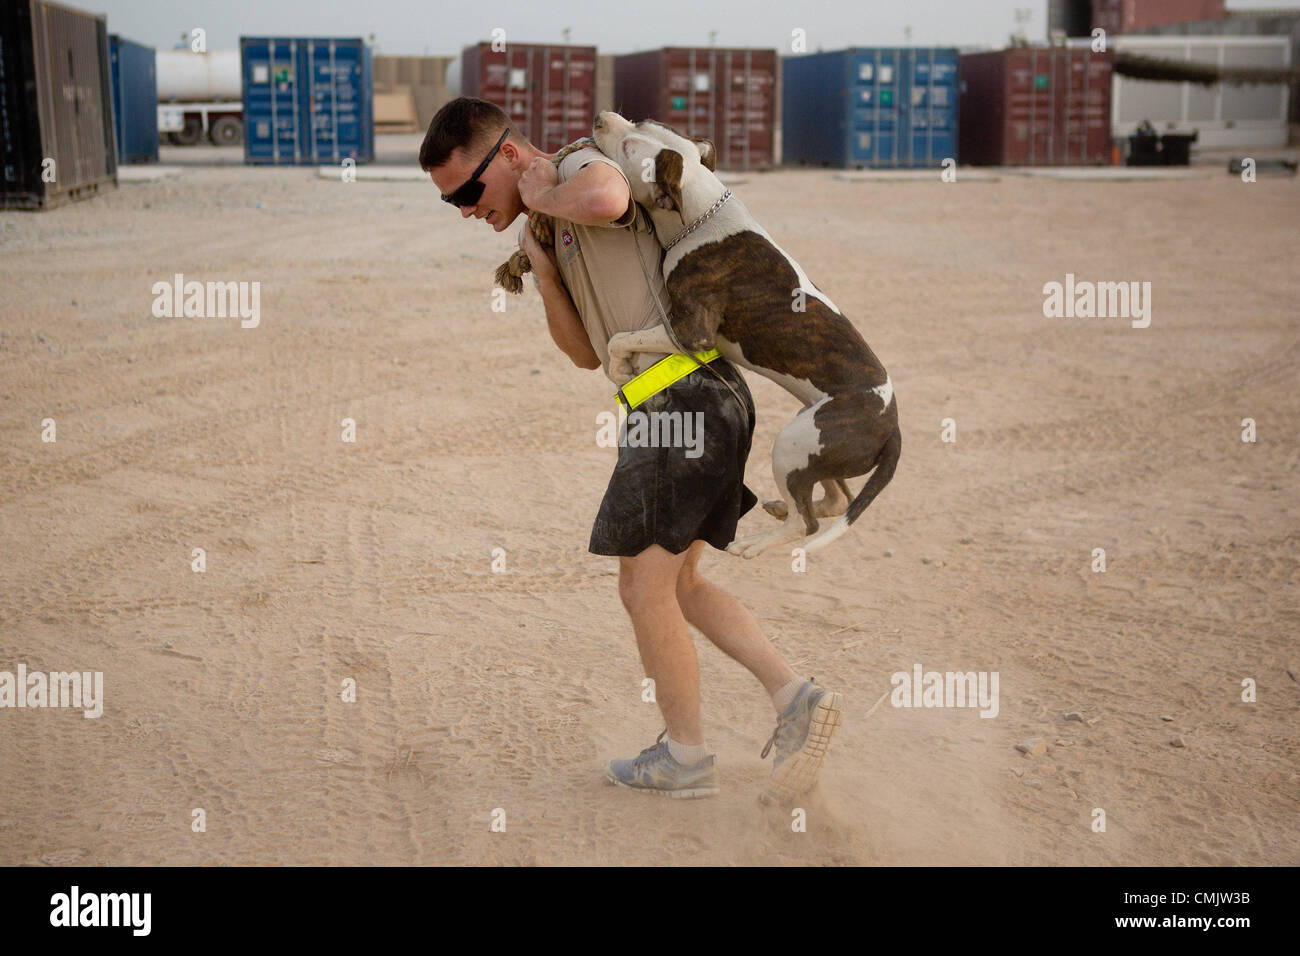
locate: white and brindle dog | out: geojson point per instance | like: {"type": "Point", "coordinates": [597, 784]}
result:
{"type": "Point", "coordinates": [731, 286]}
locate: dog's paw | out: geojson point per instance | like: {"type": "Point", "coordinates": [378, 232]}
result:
{"type": "Point", "coordinates": [776, 507]}
{"type": "Point", "coordinates": [755, 544]}
{"type": "Point", "coordinates": [617, 344]}
{"type": "Point", "coordinates": [621, 370]}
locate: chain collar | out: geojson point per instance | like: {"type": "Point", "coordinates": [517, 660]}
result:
{"type": "Point", "coordinates": [696, 224]}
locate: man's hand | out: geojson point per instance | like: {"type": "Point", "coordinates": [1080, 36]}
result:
{"type": "Point", "coordinates": [537, 180]}
{"type": "Point", "coordinates": [543, 263]}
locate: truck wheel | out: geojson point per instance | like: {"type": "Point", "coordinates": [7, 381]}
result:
{"type": "Point", "coordinates": [227, 131]}
{"type": "Point", "coordinates": [191, 134]}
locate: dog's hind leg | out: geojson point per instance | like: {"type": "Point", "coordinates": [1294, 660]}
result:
{"type": "Point", "coordinates": [831, 505]}
{"type": "Point", "coordinates": [793, 528]}
{"type": "Point", "coordinates": [792, 452]}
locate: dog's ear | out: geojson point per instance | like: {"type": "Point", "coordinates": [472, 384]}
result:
{"type": "Point", "coordinates": [668, 177]}
{"type": "Point", "coordinates": [708, 155]}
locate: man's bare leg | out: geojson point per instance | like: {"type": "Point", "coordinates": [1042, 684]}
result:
{"type": "Point", "coordinates": [808, 715]}
{"type": "Point", "coordinates": [647, 584]}
{"type": "Point", "coordinates": [728, 624]}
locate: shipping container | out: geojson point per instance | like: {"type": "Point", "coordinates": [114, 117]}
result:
{"type": "Point", "coordinates": [549, 92]}
{"type": "Point", "coordinates": [1070, 17]}
{"type": "Point", "coordinates": [1126, 16]}
{"type": "Point", "coordinates": [1244, 23]}
{"type": "Point", "coordinates": [871, 107]}
{"type": "Point", "coordinates": [425, 79]}
{"type": "Point", "coordinates": [56, 105]}
{"type": "Point", "coordinates": [1224, 115]}
{"type": "Point", "coordinates": [1036, 106]}
{"type": "Point", "coordinates": [307, 100]}
{"type": "Point", "coordinates": [135, 100]}
{"type": "Point", "coordinates": [725, 95]}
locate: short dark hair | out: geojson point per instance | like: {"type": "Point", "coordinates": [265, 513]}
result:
{"type": "Point", "coordinates": [468, 124]}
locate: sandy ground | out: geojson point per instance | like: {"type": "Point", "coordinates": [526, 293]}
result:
{"type": "Point", "coordinates": [477, 690]}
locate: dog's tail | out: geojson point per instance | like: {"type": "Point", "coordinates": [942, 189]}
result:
{"type": "Point", "coordinates": [886, 462]}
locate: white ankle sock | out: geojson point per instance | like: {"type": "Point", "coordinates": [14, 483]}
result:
{"type": "Point", "coordinates": [784, 697]}
{"type": "Point", "coordinates": [687, 754]}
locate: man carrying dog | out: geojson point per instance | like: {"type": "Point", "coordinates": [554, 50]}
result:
{"type": "Point", "coordinates": [661, 507]}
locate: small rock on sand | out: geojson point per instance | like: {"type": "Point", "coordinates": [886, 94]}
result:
{"type": "Point", "coordinates": [1032, 747]}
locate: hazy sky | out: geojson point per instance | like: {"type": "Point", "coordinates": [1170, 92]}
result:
{"type": "Point", "coordinates": [441, 28]}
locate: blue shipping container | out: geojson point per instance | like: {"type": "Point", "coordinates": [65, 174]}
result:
{"type": "Point", "coordinates": [307, 100]}
{"type": "Point", "coordinates": [871, 107]}
{"type": "Point", "coordinates": [135, 100]}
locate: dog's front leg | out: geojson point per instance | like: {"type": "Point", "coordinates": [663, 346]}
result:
{"type": "Point", "coordinates": [624, 345]}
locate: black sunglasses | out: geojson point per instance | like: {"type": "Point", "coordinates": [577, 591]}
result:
{"type": "Point", "coordinates": [468, 194]}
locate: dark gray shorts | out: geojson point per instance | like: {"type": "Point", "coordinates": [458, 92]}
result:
{"type": "Point", "coordinates": [672, 496]}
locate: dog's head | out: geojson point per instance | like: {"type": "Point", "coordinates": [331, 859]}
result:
{"type": "Point", "coordinates": [655, 158]}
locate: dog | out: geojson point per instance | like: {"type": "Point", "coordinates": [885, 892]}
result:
{"type": "Point", "coordinates": [732, 287]}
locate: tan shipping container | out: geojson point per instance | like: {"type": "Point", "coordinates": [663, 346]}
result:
{"type": "Point", "coordinates": [56, 107]}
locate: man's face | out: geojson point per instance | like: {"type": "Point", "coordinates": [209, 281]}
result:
{"type": "Point", "coordinates": [500, 204]}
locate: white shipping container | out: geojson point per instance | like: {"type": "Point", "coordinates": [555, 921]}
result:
{"type": "Point", "coordinates": [1225, 115]}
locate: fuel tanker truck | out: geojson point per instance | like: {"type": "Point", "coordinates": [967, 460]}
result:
{"type": "Point", "coordinates": [200, 97]}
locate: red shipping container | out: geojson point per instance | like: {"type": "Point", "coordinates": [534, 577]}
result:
{"type": "Point", "coordinates": [1129, 16]}
{"type": "Point", "coordinates": [1036, 106]}
{"type": "Point", "coordinates": [725, 95]}
{"type": "Point", "coordinates": [549, 91]}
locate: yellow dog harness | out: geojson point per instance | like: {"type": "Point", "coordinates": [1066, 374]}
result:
{"type": "Point", "coordinates": [659, 376]}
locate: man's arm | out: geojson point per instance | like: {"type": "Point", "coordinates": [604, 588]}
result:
{"type": "Point", "coordinates": [565, 324]}
{"type": "Point", "coordinates": [596, 195]}
{"type": "Point", "coordinates": [562, 319]}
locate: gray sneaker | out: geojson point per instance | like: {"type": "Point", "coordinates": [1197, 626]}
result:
{"type": "Point", "coordinates": [802, 736]}
{"type": "Point", "coordinates": [655, 771]}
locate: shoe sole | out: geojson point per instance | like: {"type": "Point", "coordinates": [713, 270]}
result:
{"type": "Point", "coordinates": [689, 793]}
{"type": "Point", "coordinates": [799, 773]}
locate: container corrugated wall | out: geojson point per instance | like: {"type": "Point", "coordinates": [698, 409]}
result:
{"type": "Point", "coordinates": [725, 95]}
{"type": "Point", "coordinates": [1036, 106]}
{"type": "Point", "coordinates": [548, 91]}
{"type": "Point", "coordinates": [135, 100]}
{"type": "Point", "coordinates": [424, 76]}
{"type": "Point", "coordinates": [1126, 16]}
{"type": "Point", "coordinates": [883, 107]}
{"type": "Point", "coordinates": [1249, 23]}
{"type": "Point", "coordinates": [307, 100]}
{"type": "Point", "coordinates": [56, 107]}
{"type": "Point", "coordinates": [1223, 115]}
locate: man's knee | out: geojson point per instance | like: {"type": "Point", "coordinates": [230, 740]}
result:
{"type": "Point", "coordinates": [646, 578]}
{"type": "Point", "coordinates": [628, 586]}
{"type": "Point", "coordinates": [689, 583]}
{"type": "Point", "coordinates": [689, 580]}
